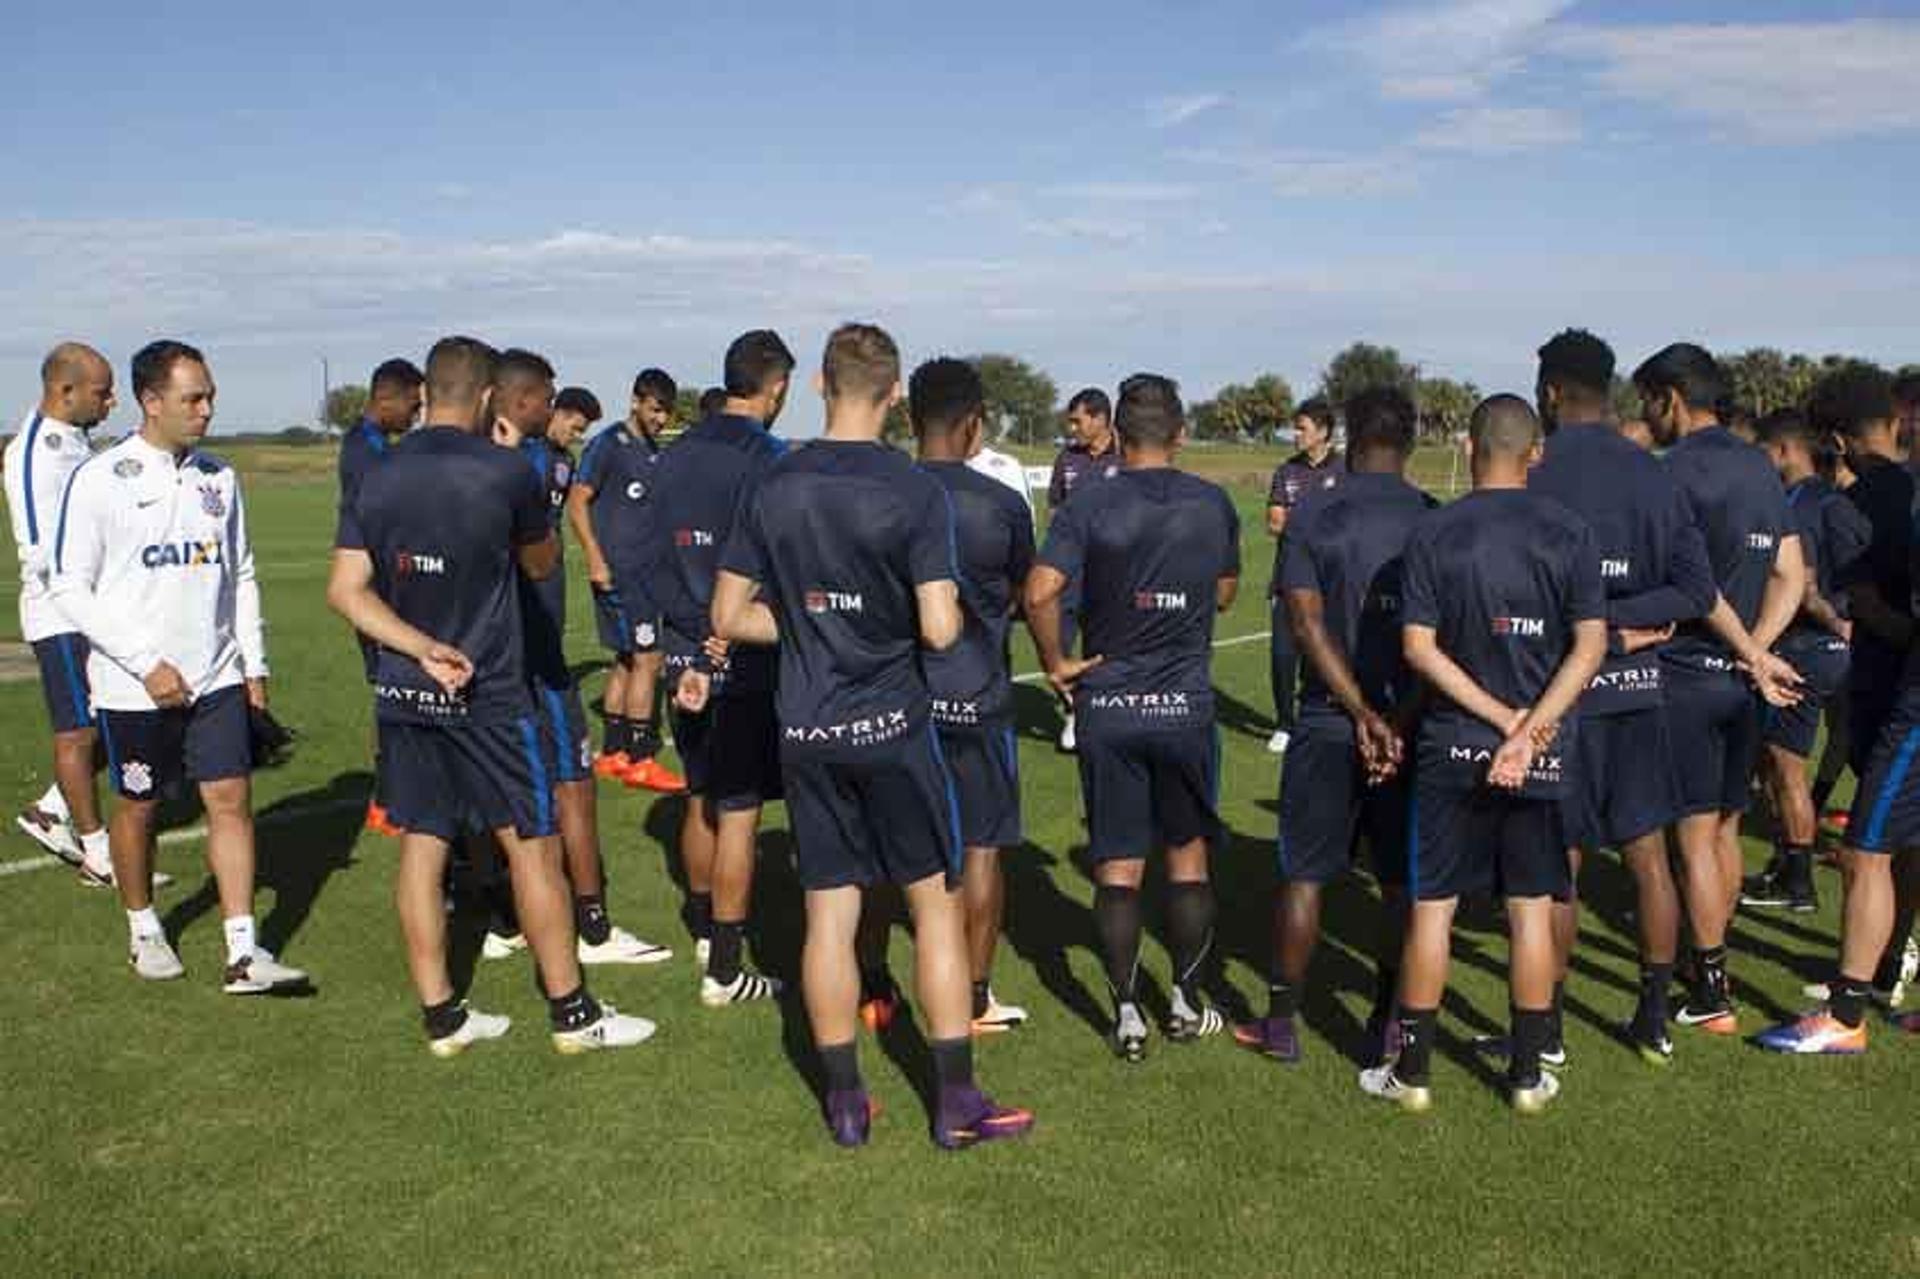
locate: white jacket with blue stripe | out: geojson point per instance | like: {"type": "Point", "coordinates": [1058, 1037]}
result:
{"type": "Point", "coordinates": [39, 460]}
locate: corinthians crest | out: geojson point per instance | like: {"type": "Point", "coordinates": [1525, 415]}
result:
{"type": "Point", "coordinates": [212, 503]}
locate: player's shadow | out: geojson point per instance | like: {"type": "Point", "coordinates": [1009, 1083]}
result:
{"type": "Point", "coordinates": [1036, 712]}
{"type": "Point", "coordinates": [1236, 716]}
{"type": "Point", "coordinates": [1043, 924]}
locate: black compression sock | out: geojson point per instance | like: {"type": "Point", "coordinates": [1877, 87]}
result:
{"type": "Point", "coordinates": [697, 914]}
{"type": "Point", "coordinates": [614, 740]}
{"type": "Point", "coordinates": [875, 983]}
{"type": "Point", "coordinates": [1282, 1000]}
{"type": "Point", "coordinates": [1556, 1027]}
{"type": "Point", "coordinates": [1655, 981]}
{"type": "Point", "coordinates": [644, 738]}
{"type": "Point", "coordinates": [723, 965]}
{"type": "Point", "coordinates": [443, 1019]}
{"type": "Point", "coordinates": [573, 1010]}
{"type": "Point", "coordinates": [841, 1065]}
{"type": "Point", "coordinates": [1822, 792]}
{"type": "Point", "coordinates": [979, 999]}
{"type": "Point", "coordinates": [1190, 914]}
{"type": "Point", "coordinates": [1416, 1046]}
{"type": "Point", "coordinates": [1847, 1001]}
{"type": "Point", "coordinates": [953, 1062]}
{"type": "Point", "coordinates": [590, 919]}
{"type": "Point", "coordinates": [1796, 865]}
{"type": "Point", "coordinates": [1116, 917]}
{"type": "Point", "coordinates": [1386, 989]}
{"type": "Point", "coordinates": [1532, 1033]}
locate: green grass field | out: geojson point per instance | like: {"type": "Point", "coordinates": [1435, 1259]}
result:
{"type": "Point", "coordinates": [173, 1130]}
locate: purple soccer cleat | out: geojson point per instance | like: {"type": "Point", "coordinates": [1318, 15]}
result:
{"type": "Point", "coordinates": [1275, 1037]}
{"type": "Point", "coordinates": [850, 1114]}
{"type": "Point", "coordinates": [969, 1117]}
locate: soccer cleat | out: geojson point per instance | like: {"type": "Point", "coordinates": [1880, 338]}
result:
{"type": "Point", "coordinates": [1278, 743]}
{"type": "Point", "coordinates": [1652, 1042]}
{"type": "Point", "coordinates": [259, 974]}
{"type": "Point", "coordinates": [747, 988]}
{"type": "Point", "coordinates": [477, 1027]}
{"type": "Point", "coordinates": [1069, 741]}
{"type": "Point", "coordinates": [503, 945]}
{"type": "Point", "coordinates": [613, 766]}
{"type": "Point", "coordinates": [1908, 1023]}
{"type": "Point", "coordinates": [969, 1117]}
{"type": "Point", "coordinates": [1887, 1001]}
{"type": "Point", "coordinates": [1129, 1035]}
{"type": "Point", "coordinates": [1383, 1036]}
{"type": "Point", "coordinates": [878, 1011]}
{"type": "Point", "coordinates": [378, 823]}
{"type": "Point", "coordinates": [620, 947]}
{"type": "Point", "coordinates": [999, 1018]}
{"type": "Point", "coordinates": [154, 958]}
{"type": "Point", "coordinates": [1709, 1012]}
{"type": "Point", "coordinates": [850, 1113]}
{"type": "Point", "coordinates": [651, 774]}
{"type": "Point", "coordinates": [1531, 1099]}
{"type": "Point", "coordinates": [1187, 1023]}
{"type": "Point", "coordinates": [50, 832]}
{"type": "Point", "coordinates": [1819, 1033]}
{"type": "Point", "coordinates": [1274, 1037]}
{"type": "Point", "coordinates": [1383, 1083]}
{"type": "Point", "coordinates": [1500, 1048]}
{"type": "Point", "coordinates": [611, 1029]}
{"type": "Point", "coordinates": [1777, 892]}
{"type": "Point", "coordinates": [100, 875]}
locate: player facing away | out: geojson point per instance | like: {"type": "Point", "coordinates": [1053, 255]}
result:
{"type": "Point", "coordinates": [76, 395]}
{"type": "Point", "coordinates": [426, 563]}
{"type": "Point", "coordinates": [152, 563]}
{"type": "Point", "coordinates": [1346, 768]}
{"type": "Point", "coordinates": [970, 683]}
{"type": "Point", "coordinates": [724, 724]}
{"type": "Point", "coordinates": [524, 413]}
{"type": "Point", "coordinates": [1092, 454]}
{"type": "Point", "coordinates": [1505, 618]}
{"type": "Point", "coordinates": [393, 406]}
{"type": "Point", "coordinates": [1833, 535]}
{"type": "Point", "coordinates": [1314, 467]}
{"type": "Point", "coordinates": [1713, 718]}
{"type": "Point", "coordinates": [1884, 827]}
{"type": "Point", "coordinates": [1157, 552]}
{"type": "Point", "coordinates": [607, 508]}
{"type": "Point", "coordinates": [852, 548]}
{"type": "Point", "coordinates": [1654, 568]}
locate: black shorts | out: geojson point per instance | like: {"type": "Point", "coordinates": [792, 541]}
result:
{"type": "Point", "coordinates": [63, 680]}
{"type": "Point", "coordinates": [563, 733]}
{"type": "Point", "coordinates": [1326, 806]}
{"type": "Point", "coordinates": [627, 623]}
{"type": "Point", "coordinates": [369, 658]}
{"type": "Point", "coordinates": [1713, 728]}
{"type": "Point", "coordinates": [1149, 790]}
{"type": "Point", "coordinates": [1886, 807]}
{"type": "Point", "coordinates": [209, 741]}
{"type": "Point", "coordinates": [893, 818]}
{"type": "Point", "coordinates": [1623, 779]}
{"type": "Point", "coordinates": [448, 781]}
{"type": "Point", "coordinates": [985, 768]}
{"type": "Point", "coordinates": [730, 752]}
{"type": "Point", "coordinates": [1486, 841]}
{"type": "Point", "coordinates": [1796, 728]}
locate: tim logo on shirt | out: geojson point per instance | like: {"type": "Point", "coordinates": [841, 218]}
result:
{"type": "Point", "coordinates": [691, 537]}
{"type": "Point", "coordinates": [1759, 541]}
{"type": "Point", "coordinates": [1160, 601]}
{"type": "Point", "coordinates": [1616, 568]}
{"type": "Point", "coordinates": [834, 602]}
{"type": "Point", "coordinates": [413, 564]}
{"type": "Point", "coordinates": [1520, 627]}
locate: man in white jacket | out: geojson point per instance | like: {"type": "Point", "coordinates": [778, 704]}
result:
{"type": "Point", "coordinates": [152, 564]}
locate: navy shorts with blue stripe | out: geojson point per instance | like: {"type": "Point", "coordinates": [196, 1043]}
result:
{"type": "Point", "coordinates": [563, 732]}
{"type": "Point", "coordinates": [627, 622]}
{"type": "Point", "coordinates": [1483, 840]}
{"type": "Point", "coordinates": [467, 779]}
{"type": "Point", "coordinates": [985, 767]}
{"type": "Point", "coordinates": [1823, 665]}
{"type": "Point", "coordinates": [209, 740]}
{"type": "Point", "coordinates": [1327, 807]}
{"type": "Point", "coordinates": [63, 679]}
{"type": "Point", "coordinates": [1148, 790]}
{"type": "Point", "coordinates": [891, 817]}
{"type": "Point", "coordinates": [1886, 807]}
{"type": "Point", "coordinates": [1713, 724]}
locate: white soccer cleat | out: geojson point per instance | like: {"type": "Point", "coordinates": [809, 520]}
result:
{"type": "Point", "coordinates": [999, 1018]}
{"type": "Point", "coordinates": [1382, 1082]}
{"type": "Point", "coordinates": [1278, 743]}
{"type": "Point", "coordinates": [51, 833]}
{"type": "Point", "coordinates": [1531, 1101]}
{"type": "Point", "coordinates": [477, 1027]}
{"type": "Point", "coordinates": [622, 947]}
{"type": "Point", "coordinates": [747, 988]}
{"type": "Point", "coordinates": [260, 973]}
{"type": "Point", "coordinates": [1069, 742]}
{"type": "Point", "coordinates": [611, 1029]}
{"type": "Point", "coordinates": [154, 958]}
{"type": "Point", "coordinates": [500, 946]}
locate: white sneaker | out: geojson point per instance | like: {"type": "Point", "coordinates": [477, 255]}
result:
{"type": "Point", "coordinates": [1531, 1101]}
{"type": "Point", "coordinates": [477, 1027]}
{"type": "Point", "coordinates": [1382, 1082]}
{"type": "Point", "coordinates": [622, 947]}
{"type": "Point", "coordinates": [999, 1018]}
{"type": "Point", "coordinates": [260, 973]}
{"type": "Point", "coordinates": [1068, 742]}
{"type": "Point", "coordinates": [100, 874]}
{"type": "Point", "coordinates": [1278, 743]}
{"type": "Point", "coordinates": [612, 1029]}
{"type": "Point", "coordinates": [154, 958]}
{"type": "Point", "coordinates": [500, 946]}
{"type": "Point", "coordinates": [50, 832]}
{"type": "Point", "coordinates": [747, 988]}
{"type": "Point", "coordinates": [702, 952]}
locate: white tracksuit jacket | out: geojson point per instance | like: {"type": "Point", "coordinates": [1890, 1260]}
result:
{"type": "Point", "coordinates": [39, 460]}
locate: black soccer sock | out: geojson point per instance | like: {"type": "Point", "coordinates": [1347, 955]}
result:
{"type": "Point", "coordinates": [590, 919]}
{"type": "Point", "coordinates": [723, 965]}
{"type": "Point", "coordinates": [614, 739]}
{"type": "Point", "coordinates": [1386, 989]}
{"type": "Point", "coordinates": [875, 983]}
{"type": "Point", "coordinates": [1556, 1026]}
{"type": "Point", "coordinates": [1116, 916]}
{"type": "Point", "coordinates": [443, 1019]}
{"type": "Point", "coordinates": [1655, 981]}
{"type": "Point", "coordinates": [980, 999]}
{"type": "Point", "coordinates": [953, 1062]}
{"type": "Point", "coordinates": [841, 1065]}
{"type": "Point", "coordinates": [1887, 975]}
{"type": "Point", "coordinates": [503, 917]}
{"type": "Point", "coordinates": [1532, 1033]}
{"type": "Point", "coordinates": [1796, 866]}
{"type": "Point", "coordinates": [1282, 1000]}
{"type": "Point", "coordinates": [1847, 1001]}
{"type": "Point", "coordinates": [1712, 979]}
{"type": "Point", "coordinates": [573, 1010]}
{"type": "Point", "coordinates": [1190, 913]}
{"type": "Point", "coordinates": [1416, 1046]}
{"type": "Point", "coordinates": [643, 738]}
{"type": "Point", "coordinates": [697, 914]}
{"type": "Point", "coordinates": [1822, 792]}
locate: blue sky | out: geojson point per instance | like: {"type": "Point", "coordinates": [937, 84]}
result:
{"type": "Point", "coordinates": [1208, 191]}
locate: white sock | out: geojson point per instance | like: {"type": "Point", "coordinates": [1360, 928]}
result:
{"type": "Point", "coordinates": [239, 938]}
{"type": "Point", "coordinates": [144, 923]}
{"type": "Point", "coordinates": [96, 850]}
{"type": "Point", "coordinates": [54, 803]}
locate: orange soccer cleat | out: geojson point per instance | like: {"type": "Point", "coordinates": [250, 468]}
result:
{"type": "Point", "coordinates": [378, 823]}
{"type": "Point", "coordinates": [612, 765]}
{"type": "Point", "coordinates": [651, 774]}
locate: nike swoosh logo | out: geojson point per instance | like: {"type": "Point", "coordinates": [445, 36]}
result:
{"type": "Point", "coordinates": [144, 505]}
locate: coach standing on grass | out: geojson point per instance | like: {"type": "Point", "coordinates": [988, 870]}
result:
{"type": "Point", "coordinates": [152, 563]}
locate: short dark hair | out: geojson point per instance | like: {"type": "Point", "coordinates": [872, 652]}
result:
{"type": "Point", "coordinates": [862, 361]}
{"type": "Point", "coordinates": [578, 399]}
{"type": "Point", "coordinates": [712, 400]}
{"type": "Point", "coordinates": [1319, 411]}
{"type": "Point", "coordinates": [943, 394]}
{"type": "Point", "coordinates": [1906, 388]}
{"type": "Point", "coordinates": [395, 375]}
{"type": "Point", "coordinates": [754, 362]}
{"type": "Point", "coordinates": [518, 366]}
{"type": "Point", "coordinates": [1093, 400]}
{"type": "Point", "coordinates": [1150, 412]}
{"type": "Point", "coordinates": [1689, 369]}
{"type": "Point", "coordinates": [1850, 398]}
{"type": "Point", "coordinates": [459, 368]}
{"type": "Point", "coordinates": [657, 385]}
{"type": "Point", "coordinates": [1784, 425]}
{"type": "Point", "coordinates": [1380, 417]}
{"type": "Point", "coordinates": [153, 364]}
{"type": "Point", "coordinates": [1503, 426]}
{"type": "Point", "coordinates": [1574, 359]}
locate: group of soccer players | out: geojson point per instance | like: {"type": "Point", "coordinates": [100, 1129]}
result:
{"type": "Point", "coordinates": [1586, 652]}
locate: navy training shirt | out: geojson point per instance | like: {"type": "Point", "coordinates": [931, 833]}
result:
{"type": "Point", "coordinates": [1293, 481]}
{"type": "Point", "coordinates": [1077, 467]}
{"type": "Point", "coordinates": [1347, 544]}
{"type": "Point", "coordinates": [1884, 493]}
{"type": "Point", "coordinates": [1653, 561]}
{"type": "Point", "coordinates": [619, 467]}
{"type": "Point", "coordinates": [1740, 508]}
{"type": "Point", "coordinates": [699, 487]}
{"type": "Point", "coordinates": [1149, 547]}
{"type": "Point", "coordinates": [993, 532]}
{"type": "Point", "coordinates": [1502, 576]}
{"type": "Point", "coordinates": [361, 450]}
{"type": "Point", "coordinates": [543, 604]}
{"type": "Point", "coordinates": [838, 535]}
{"type": "Point", "coordinates": [1833, 536]}
{"type": "Point", "coordinates": [440, 520]}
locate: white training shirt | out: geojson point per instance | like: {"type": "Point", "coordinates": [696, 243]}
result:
{"type": "Point", "coordinates": [152, 563]}
{"type": "Point", "coordinates": [1004, 467]}
{"type": "Point", "coordinates": [37, 463]}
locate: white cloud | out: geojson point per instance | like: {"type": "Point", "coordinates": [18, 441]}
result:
{"type": "Point", "coordinates": [1124, 192]}
{"type": "Point", "coordinates": [1165, 113]}
{"type": "Point", "coordinates": [1317, 175]}
{"type": "Point", "coordinates": [1499, 130]}
{"type": "Point", "coordinates": [1774, 82]}
{"type": "Point", "coordinates": [1443, 52]}
{"type": "Point", "coordinates": [1095, 230]}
